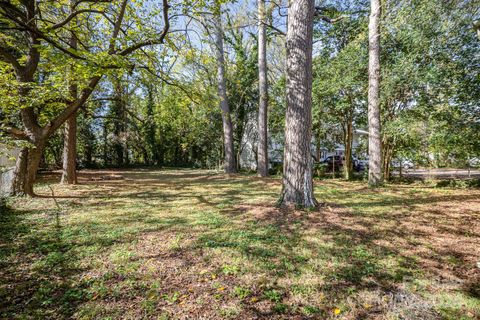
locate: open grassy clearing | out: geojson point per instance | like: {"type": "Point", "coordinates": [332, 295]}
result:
{"type": "Point", "coordinates": [176, 244]}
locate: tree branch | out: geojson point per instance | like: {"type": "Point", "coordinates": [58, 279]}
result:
{"type": "Point", "coordinates": [117, 27]}
{"type": "Point", "coordinates": [332, 20]}
{"type": "Point", "coordinates": [274, 28]}
{"type": "Point", "coordinates": [41, 35]}
{"type": "Point", "coordinates": [14, 133]}
{"type": "Point", "coordinates": [73, 106]}
{"type": "Point", "coordinates": [9, 58]}
{"type": "Point", "coordinates": [73, 15]}
{"type": "Point", "coordinates": [160, 40]}
{"type": "Point", "coordinates": [90, 1]}
{"type": "Point", "coordinates": [320, 9]}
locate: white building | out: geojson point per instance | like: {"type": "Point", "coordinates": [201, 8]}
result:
{"type": "Point", "coordinates": [7, 164]}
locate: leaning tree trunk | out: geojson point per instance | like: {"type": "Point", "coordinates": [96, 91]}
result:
{"type": "Point", "coordinates": [230, 165]}
{"type": "Point", "coordinates": [26, 167]}
{"type": "Point", "coordinates": [297, 172]}
{"type": "Point", "coordinates": [262, 156]}
{"type": "Point", "coordinates": [19, 176]}
{"type": "Point", "coordinates": [374, 139]}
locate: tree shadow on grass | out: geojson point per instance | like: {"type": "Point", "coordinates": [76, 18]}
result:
{"type": "Point", "coordinates": [41, 270]}
{"type": "Point", "coordinates": [350, 249]}
{"type": "Point", "coordinates": [355, 252]}
{"type": "Point", "coordinates": [36, 265]}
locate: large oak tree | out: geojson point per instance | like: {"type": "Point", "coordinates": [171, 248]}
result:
{"type": "Point", "coordinates": [39, 28]}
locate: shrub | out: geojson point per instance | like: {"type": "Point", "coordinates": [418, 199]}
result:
{"type": "Point", "coordinates": [320, 169]}
{"type": "Point", "coordinates": [460, 184]}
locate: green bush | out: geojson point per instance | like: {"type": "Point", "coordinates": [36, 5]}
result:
{"type": "Point", "coordinates": [319, 170]}
{"type": "Point", "coordinates": [276, 169]}
{"type": "Point", "coordinates": [460, 184]}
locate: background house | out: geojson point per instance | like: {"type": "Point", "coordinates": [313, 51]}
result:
{"type": "Point", "coordinates": [7, 164]}
{"type": "Point", "coordinates": [248, 153]}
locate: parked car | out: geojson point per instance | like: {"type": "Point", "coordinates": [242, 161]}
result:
{"type": "Point", "coordinates": [330, 161]}
{"type": "Point", "coordinates": [405, 163]}
{"type": "Point", "coordinates": [339, 162]}
{"type": "Point", "coordinates": [474, 162]}
{"type": "Point", "coordinates": [362, 164]}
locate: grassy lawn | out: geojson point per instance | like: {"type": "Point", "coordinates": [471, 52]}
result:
{"type": "Point", "coordinates": [186, 244]}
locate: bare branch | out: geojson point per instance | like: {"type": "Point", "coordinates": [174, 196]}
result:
{"type": "Point", "coordinates": [90, 1]}
{"type": "Point", "coordinates": [332, 20]}
{"type": "Point", "coordinates": [274, 28]}
{"type": "Point", "coordinates": [160, 40]}
{"type": "Point", "coordinates": [319, 10]}
{"type": "Point", "coordinates": [73, 15]}
{"type": "Point", "coordinates": [117, 27]}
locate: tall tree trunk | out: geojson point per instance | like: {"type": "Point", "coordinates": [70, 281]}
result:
{"type": "Point", "coordinates": [230, 165]}
{"type": "Point", "coordinates": [88, 148]}
{"type": "Point", "coordinates": [374, 140]}
{"type": "Point", "coordinates": [25, 170]}
{"type": "Point", "coordinates": [106, 160]}
{"type": "Point", "coordinates": [69, 173]}
{"type": "Point", "coordinates": [152, 150]}
{"type": "Point", "coordinates": [348, 165]}
{"type": "Point", "coordinates": [387, 150]}
{"type": "Point", "coordinates": [120, 125]}
{"type": "Point", "coordinates": [297, 171]}
{"type": "Point", "coordinates": [262, 156]}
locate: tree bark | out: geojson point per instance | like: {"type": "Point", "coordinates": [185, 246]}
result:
{"type": "Point", "coordinates": [348, 165]}
{"type": "Point", "coordinates": [297, 171]}
{"type": "Point", "coordinates": [262, 156]}
{"type": "Point", "coordinates": [19, 174]}
{"type": "Point", "coordinates": [151, 129]}
{"type": "Point", "coordinates": [230, 163]}
{"type": "Point", "coordinates": [119, 107]}
{"type": "Point", "coordinates": [34, 157]}
{"type": "Point", "coordinates": [26, 167]}
{"type": "Point", "coordinates": [69, 172]}
{"type": "Point", "coordinates": [388, 148]}
{"type": "Point", "coordinates": [374, 140]}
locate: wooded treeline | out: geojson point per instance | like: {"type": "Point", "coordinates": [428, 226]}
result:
{"type": "Point", "coordinates": [181, 83]}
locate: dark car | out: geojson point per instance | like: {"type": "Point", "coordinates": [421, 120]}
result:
{"type": "Point", "coordinates": [339, 162]}
{"type": "Point", "coordinates": [332, 161]}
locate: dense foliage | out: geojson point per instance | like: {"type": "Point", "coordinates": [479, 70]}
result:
{"type": "Point", "coordinates": [156, 103]}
